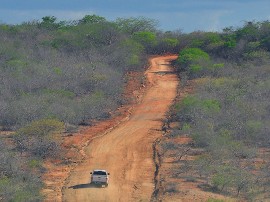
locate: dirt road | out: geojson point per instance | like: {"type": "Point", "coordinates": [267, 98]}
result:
{"type": "Point", "coordinates": [126, 152]}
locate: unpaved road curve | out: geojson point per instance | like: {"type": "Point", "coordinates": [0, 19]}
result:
{"type": "Point", "coordinates": [126, 152]}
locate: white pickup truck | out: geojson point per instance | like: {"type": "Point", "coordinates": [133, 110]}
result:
{"type": "Point", "coordinates": [100, 177]}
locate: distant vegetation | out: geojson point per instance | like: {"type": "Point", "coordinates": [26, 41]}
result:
{"type": "Point", "coordinates": [71, 71]}
{"type": "Point", "coordinates": [56, 74]}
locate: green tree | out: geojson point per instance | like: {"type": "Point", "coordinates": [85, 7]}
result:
{"type": "Point", "coordinates": [146, 38]}
{"type": "Point", "coordinates": [230, 40]}
{"type": "Point", "coordinates": [134, 50]}
{"type": "Point", "coordinates": [249, 31]}
{"type": "Point", "coordinates": [49, 22]}
{"type": "Point", "coordinates": [167, 45]}
{"type": "Point", "coordinates": [139, 24]}
{"type": "Point", "coordinates": [92, 19]}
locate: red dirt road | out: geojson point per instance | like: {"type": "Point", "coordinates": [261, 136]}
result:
{"type": "Point", "coordinates": [126, 152]}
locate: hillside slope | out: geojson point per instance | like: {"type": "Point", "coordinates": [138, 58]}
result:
{"type": "Point", "coordinates": [126, 152]}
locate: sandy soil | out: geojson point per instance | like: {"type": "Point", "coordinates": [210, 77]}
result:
{"type": "Point", "coordinates": [126, 152]}
{"type": "Point", "coordinates": [183, 189]}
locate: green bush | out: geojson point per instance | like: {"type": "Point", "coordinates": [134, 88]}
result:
{"type": "Point", "coordinates": [62, 93]}
{"type": "Point", "coordinates": [218, 65]}
{"type": "Point", "coordinates": [220, 181]}
{"type": "Point", "coordinates": [42, 127]}
{"type": "Point", "coordinates": [37, 138]}
{"type": "Point", "coordinates": [211, 105]}
{"type": "Point", "coordinates": [170, 43]}
{"type": "Point", "coordinates": [230, 41]}
{"type": "Point", "coordinates": [34, 163]}
{"type": "Point", "coordinates": [195, 68]}
{"type": "Point", "coordinates": [145, 38]}
{"type": "Point", "coordinates": [135, 49]}
{"type": "Point", "coordinates": [192, 60]}
{"type": "Point", "coordinates": [214, 200]}
{"type": "Point", "coordinates": [253, 128]}
{"type": "Point", "coordinates": [189, 101]}
{"type": "Point", "coordinates": [4, 181]}
{"type": "Point", "coordinates": [189, 55]}
{"type": "Point", "coordinates": [257, 55]}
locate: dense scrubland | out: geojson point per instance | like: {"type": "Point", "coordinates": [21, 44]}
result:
{"type": "Point", "coordinates": [227, 116]}
{"type": "Point", "coordinates": [58, 75]}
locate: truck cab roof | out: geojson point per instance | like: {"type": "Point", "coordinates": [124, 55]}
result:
{"type": "Point", "coordinates": [100, 172]}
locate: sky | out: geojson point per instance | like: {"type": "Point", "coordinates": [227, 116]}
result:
{"type": "Point", "coordinates": [184, 15]}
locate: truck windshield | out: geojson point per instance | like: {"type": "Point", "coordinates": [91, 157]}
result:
{"type": "Point", "coordinates": [99, 173]}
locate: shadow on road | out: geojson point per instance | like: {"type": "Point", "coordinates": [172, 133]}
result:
{"type": "Point", "coordinates": [83, 186]}
{"type": "Point", "coordinates": [164, 72]}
